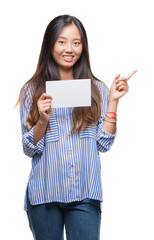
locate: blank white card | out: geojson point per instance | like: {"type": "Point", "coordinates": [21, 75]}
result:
{"type": "Point", "coordinates": [69, 93]}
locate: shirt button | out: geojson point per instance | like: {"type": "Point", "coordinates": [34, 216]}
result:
{"type": "Point", "coordinates": [66, 118]}
{"type": "Point", "coordinates": [70, 150]}
{"type": "Point", "coordinates": [72, 165]}
{"type": "Point", "coordinates": [68, 134]}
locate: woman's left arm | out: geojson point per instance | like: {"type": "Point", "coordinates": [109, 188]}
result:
{"type": "Point", "coordinates": [118, 89]}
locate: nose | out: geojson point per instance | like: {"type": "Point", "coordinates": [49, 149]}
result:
{"type": "Point", "coordinates": [69, 48]}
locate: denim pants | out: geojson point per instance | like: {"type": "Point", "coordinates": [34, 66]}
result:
{"type": "Point", "coordinates": [82, 220]}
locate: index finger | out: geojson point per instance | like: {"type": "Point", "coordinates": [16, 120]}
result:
{"type": "Point", "coordinates": [130, 75]}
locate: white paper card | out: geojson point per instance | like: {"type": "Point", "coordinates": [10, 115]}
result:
{"type": "Point", "coordinates": [69, 93]}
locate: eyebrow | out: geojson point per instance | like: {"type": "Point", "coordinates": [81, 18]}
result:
{"type": "Point", "coordinates": [73, 39]}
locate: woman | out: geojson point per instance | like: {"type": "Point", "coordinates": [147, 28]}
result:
{"type": "Point", "coordinates": [64, 185]}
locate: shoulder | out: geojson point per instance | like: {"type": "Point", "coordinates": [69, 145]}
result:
{"type": "Point", "coordinates": [102, 86]}
{"type": "Point", "coordinates": [28, 88]}
{"type": "Point", "coordinates": [27, 92]}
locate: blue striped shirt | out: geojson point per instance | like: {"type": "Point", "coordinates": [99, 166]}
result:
{"type": "Point", "coordinates": [65, 167]}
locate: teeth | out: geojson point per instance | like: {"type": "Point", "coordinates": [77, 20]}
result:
{"type": "Point", "coordinates": [68, 57]}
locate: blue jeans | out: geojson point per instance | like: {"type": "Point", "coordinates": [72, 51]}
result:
{"type": "Point", "coordinates": [82, 220]}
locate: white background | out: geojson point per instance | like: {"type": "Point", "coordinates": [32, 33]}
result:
{"type": "Point", "coordinates": [121, 39]}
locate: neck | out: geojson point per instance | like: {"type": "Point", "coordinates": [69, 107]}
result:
{"type": "Point", "coordinates": [66, 74]}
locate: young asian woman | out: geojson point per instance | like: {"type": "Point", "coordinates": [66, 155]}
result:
{"type": "Point", "coordinates": [64, 186]}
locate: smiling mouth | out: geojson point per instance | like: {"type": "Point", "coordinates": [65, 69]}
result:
{"type": "Point", "coordinates": [68, 57]}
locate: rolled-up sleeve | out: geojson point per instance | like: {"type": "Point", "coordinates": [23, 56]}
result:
{"type": "Point", "coordinates": [104, 139]}
{"type": "Point", "coordinates": [28, 134]}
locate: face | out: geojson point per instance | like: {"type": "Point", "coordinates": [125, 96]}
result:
{"type": "Point", "coordinates": [68, 47]}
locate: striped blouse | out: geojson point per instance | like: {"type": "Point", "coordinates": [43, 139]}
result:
{"type": "Point", "coordinates": [65, 167]}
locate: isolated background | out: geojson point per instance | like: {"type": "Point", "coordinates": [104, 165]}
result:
{"type": "Point", "coordinates": [121, 39]}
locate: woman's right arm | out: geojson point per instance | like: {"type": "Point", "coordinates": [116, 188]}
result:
{"type": "Point", "coordinates": [33, 140]}
{"type": "Point", "coordinates": [44, 108]}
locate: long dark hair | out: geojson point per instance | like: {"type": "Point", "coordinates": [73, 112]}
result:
{"type": "Point", "coordinates": [47, 71]}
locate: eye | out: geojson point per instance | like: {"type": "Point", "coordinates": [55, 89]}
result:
{"type": "Point", "coordinates": [61, 42]}
{"type": "Point", "coordinates": [76, 43]}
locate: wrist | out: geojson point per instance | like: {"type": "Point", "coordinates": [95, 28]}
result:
{"type": "Point", "coordinates": [42, 122]}
{"type": "Point", "coordinates": [113, 105]}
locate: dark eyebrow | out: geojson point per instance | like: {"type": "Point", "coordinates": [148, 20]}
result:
{"type": "Point", "coordinates": [73, 39]}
